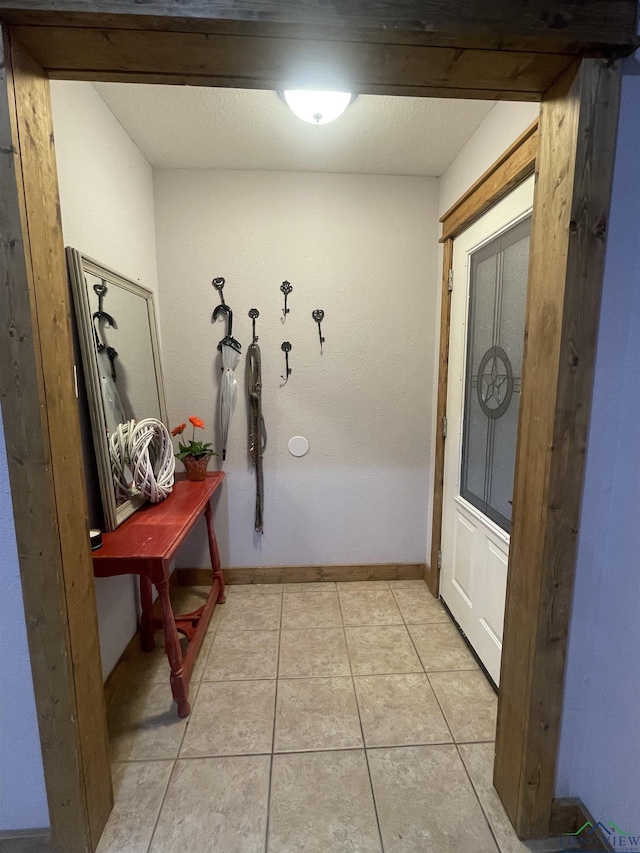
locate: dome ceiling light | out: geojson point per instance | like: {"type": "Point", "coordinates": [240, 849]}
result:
{"type": "Point", "coordinates": [317, 107]}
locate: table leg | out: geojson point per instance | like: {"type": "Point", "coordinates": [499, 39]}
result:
{"type": "Point", "coordinates": [214, 553]}
{"type": "Point", "coordinates": [179, 680]}
{"type": "Point", "coordinates": [146, 619]}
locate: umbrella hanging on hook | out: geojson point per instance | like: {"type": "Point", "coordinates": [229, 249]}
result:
{"type": "Point", "coordinates": [230, 350]}
{"type": "Point", "coordinates": [257, 429]}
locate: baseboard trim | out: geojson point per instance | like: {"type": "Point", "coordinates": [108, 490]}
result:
{"type": "Point", "coordinates": [432, 579]}
{"type": "Point", "coordinates": [307, 574]}
{"type": "Point", "coordinates": [26, 841]}
{"type": "Point", "coordinates": [569, 814]}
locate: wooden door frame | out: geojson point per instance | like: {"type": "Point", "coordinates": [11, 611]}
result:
{"type": "Point", "coordinates": [46, 472]}
{"type": "Point", "coordinates": [578, 117]}
{"type": "Point", "coordinates": [393, 54]}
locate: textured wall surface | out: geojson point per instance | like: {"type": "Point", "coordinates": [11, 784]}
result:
{"type": "Point", "coordinates": [362, 248]}
{"type": "Point", "coordinates": [23, 801]}
{"type": "Point", "coordinates": [106, 197]}
{"type": "Point", "coordinates": [505, 122]}
{"type": "Point", "coordinates": [600, 740]}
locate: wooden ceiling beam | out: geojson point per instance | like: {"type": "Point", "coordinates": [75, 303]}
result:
{"type": "Point", "coordinates": [271, 63]}
{"type": "Point", "coordinates": [585, 24]}
{"type": "Point", "coordinates": [329, 30]}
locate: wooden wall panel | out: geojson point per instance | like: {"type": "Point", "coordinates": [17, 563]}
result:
{"type": "Point", "coordinates": [47, 477]}
{"type": "Point", "coordinates": [578, 123]}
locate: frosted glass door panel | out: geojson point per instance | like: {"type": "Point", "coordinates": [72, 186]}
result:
{"type": "Point", "coordinates": [495, 338]}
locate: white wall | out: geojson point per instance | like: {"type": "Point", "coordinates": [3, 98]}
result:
{"type": "Point", "coordinates": [505, 122]}
{"type": "Point", "coordinates": [106, 196]}
{"type": "Point", "coordinates": [362, 248]}
{"type": "Point", "coordinates": [23, 801]}
{"type": "Point", "coordinates": [600, 740]}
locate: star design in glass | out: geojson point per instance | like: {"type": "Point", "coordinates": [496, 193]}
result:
{"type": "Point", "coordinates": [493, 382]}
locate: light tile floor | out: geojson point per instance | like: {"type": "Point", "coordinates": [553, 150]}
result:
{"type": "Point", "coordinates": [325, 718]}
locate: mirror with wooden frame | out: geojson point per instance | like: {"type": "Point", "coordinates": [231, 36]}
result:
{"type": "Point", "coordinates": [121, 361]}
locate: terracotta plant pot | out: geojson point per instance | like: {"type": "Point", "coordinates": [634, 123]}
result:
{"type": "Point", "coordinates": [196, 468]}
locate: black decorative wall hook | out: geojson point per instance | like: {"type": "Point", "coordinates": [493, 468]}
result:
{"type": "Point", "coordinates": [223, 308]}
{"type": "Point", "coordinates": [100, 291]}
{"type": "Point", "coordinates": [286, 288]}
{"type": "Point", "coordinates": [286, 349]}
{"type": "Point", "coordinates": [218, 283]}
{"type": "Point", "coordinates": [254, 314]}
{"type": "Point", "coordinates": [318, 316]}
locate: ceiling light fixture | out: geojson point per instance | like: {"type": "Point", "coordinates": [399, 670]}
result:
{"type": "Point", "coordinates": [317, 107]}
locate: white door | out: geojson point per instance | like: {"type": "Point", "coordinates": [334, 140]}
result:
{"type": "Point", "coordinates": [490, 265]}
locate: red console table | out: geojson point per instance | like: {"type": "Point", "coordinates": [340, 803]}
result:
{"type": "Point", "coordinates": [144, 545]}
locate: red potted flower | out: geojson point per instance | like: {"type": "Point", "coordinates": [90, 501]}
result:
{"type": "Point", "coordinates": [195, 456]}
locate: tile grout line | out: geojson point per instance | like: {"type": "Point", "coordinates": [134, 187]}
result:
{"type": "Point", "coordinates": [273, 733]}
{"type": "Point", "coordinates": [482, 809]}
{"type": "Point", "coordinates": [439, 671]}
{"type": "Point", "coordinates": [453, 740]}
{"type": "Point", "coordinates": [200, 681]}
{"type": "Point", "coordinates": [170, 780]}
{"type": "Point", "coordinates": [323, 677]}
{"type": "Point", "coordinates": [404, 622]}
{"type": "Point", "coordinates": [210, 651]}
{"type": "Point", "coordinates": [175, 760]}
{"type": "Point", "coordinates": [444, 717]}
{"type": "Point", "coordinates": [447, 621]}
{"type": "Point", "coordinates": [325, 749]}
{"type": "Point", "coordinates": [162, 802]}
{"type": "Point", "coordinates": [364, 742]}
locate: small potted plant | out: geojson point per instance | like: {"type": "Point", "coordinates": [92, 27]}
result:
{"type": "Point", "coordinates": [195, 456]}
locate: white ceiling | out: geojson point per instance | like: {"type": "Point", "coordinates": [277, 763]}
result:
{"type": "Point", "coordinates": [204, 128]}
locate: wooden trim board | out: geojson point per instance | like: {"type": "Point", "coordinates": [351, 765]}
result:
{"type": "Point", "coordinates": [432, 575]}
{"type": "Point", "coordinates": [578, 124]}
{"type": "Point", "coordinates": [306, 574]}
{"type": "Point", "coordinates": [223, 59]}
{"type": "Point", "coordinates": [47, 479]}
{"type": "Point", "coordinates": [509, 170]}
